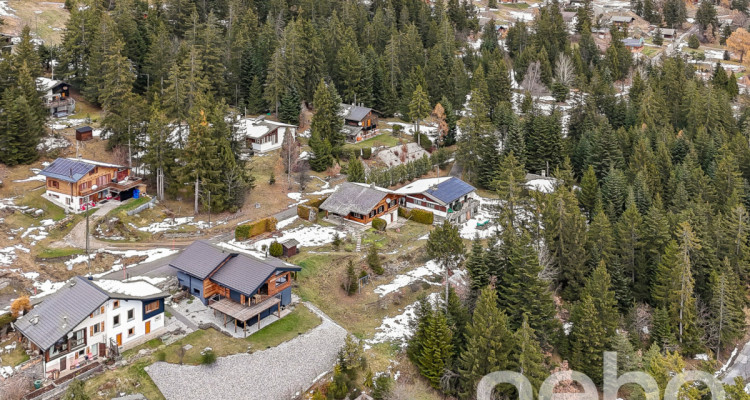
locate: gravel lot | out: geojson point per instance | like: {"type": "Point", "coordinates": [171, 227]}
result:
{"type": "Point", "coordinates": [276, 373]}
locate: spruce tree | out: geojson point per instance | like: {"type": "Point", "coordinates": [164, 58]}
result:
{"type": "Point", "coordinates": [527, 357]}
{"type": "Point", "coordinates": [599, 288]}
{"type": "Point", "coordinates": [355, 170]}
{"type": "Point", "coordinates": [436, 349]}
{"type": "Point", "coordinates": [326, 122]}
{"type": "Point", "coordinates": [373, 261]}
{"type": "Point", "coordinates": [477, 269]}
{"type": "Point", "coordinates": [726, 305]}
{"type": "Point", "coordinates": [588, 338]}
{"type": "Point", "coordinates": [630, 245]}
{"type": "Point", "coordinates": [489, 343]}
{"type": "Point", "coordinates": [419, 108]}
{"type": "Point", "coordinates": [256, 104]}
{"type": "Point", "coordinates": [289, 109]}
{"type": "Point", "coordinates": [321, 153]}
{"type": "Point", "coordinates": [588, 196]}
{"type": "Point", "coordinates": [662, 331]}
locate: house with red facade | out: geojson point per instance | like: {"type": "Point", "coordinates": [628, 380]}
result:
{"type": "Point", "coordinates": [447, 198]}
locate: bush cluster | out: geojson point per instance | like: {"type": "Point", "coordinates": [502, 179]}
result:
{"type": "Point", "coordinates": [379, 224]}
{"type": "Point", "coordinates": [246, 231]}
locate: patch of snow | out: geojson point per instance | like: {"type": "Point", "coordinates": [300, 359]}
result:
{"type": "Point", "coordinates": [567, 327]}
{"type": "Point", "coordinates": [46, 287]}
{"type": "Point", "coordinates": [152, 280]}
{"type": "Point", "coordinates": [174, 223]}
{"type": "Point", "coordinates": [702, 357]}
{"type": "Point", "coordinates": [5, 9]}
{"type": "Point", "coordinates": [482, 223]}
{"type": "Point", "coordinates": [136, 288]}
{"type": "Point", "coordinates": [40, 178]}
{"type": "Point", "coordinates": [399, 327]}
{"type": "Point", "coordinates": [522, 16]}
{"type": "Point", "coordinates": [728, 363]}
{"type": "Point", "coordinates": [431, 268]}
{"type": "Point", "coordinates": [286, 222]}
{"type": "Point", "coordinates": [296, 196]}
{"type": "Point", "coordinates": [50, 143]}
{"type": "Point", "coordinates": [306, 235]}
{"type": "Point", "coordinates": [541, 185]}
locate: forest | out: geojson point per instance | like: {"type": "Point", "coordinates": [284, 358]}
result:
{"type": "Point", "coordinates": [642, 247]}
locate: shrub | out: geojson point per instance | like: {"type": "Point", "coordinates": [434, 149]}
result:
{"type": "Point", "coordinates": [424, 141]}
{"type": "Point", "coordinates": [246, 231]}
{"type": "Point", "coordinates": [396, 129]}
{"type": "Point", "coordinates": [373, 261]}
{"type": "Point", "coordinates": [20, 306]}
{"type": "Point", "coordinates": [379, 224]}
{"type": "Point", "coordinates": [336, 241]}
{"type": "Point", "coordinates": [160, 356]}
{"type": "Point", "coordinates": [272, 179]}
{"type": "Point", "coordinates": [693, 42]}
{"type": "Point", "coordinates": [422, 216]}
{"type": "Point", "coordinates": [208, 357]}
{"type": "Point", "coordinates": [317, 202]}
{"type": "Point", "coordinates": [404, 212]}
{"type": "Point", "coordinates": [276, 250]}
{"type": "Point", "coordinates": [367, 153]}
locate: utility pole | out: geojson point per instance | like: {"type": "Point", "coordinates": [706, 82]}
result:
{"type": "Point", "coordinates": [88, 259]}
{"type": "Point", "coordinates": [209, 209]}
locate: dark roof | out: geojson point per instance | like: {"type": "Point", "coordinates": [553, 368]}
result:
{"type": "Point", "coordinates": [67, 170]}
{"type": "Point", "coordinates": [351, 197]}
{"type": "Point", "coordinates": [622, 18]}
{"type": "Point", "coordinates": [633, 42]}
{"type": "Point", "coordinates": [290, 243]}
{"type": "Point", "coordinates": [62, 311]}
{"type": "Point", "coordinates": [84, 129]}
{"type": "Point", "coordinates": [355, 113]}
{"type": "Point", "coordinates": [450, 190]}
{"type": "Point", "coordinates": [199, 259]}
{"type": "Point", "coordinates": [243, 274]}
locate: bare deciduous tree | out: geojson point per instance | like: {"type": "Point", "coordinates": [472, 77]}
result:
{"type": "Point", "coordinates": [564, 70]}
{"type": "Point", "coordinates": [532, 80]}
{"type": "Point", "coordinates": [303, 176]}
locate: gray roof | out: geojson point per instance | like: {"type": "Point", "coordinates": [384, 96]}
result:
{"type": "Point", "coordinates": [629, 42]}
{"type": "Point", "coordinates": [199, 259]}
{"type": "Point", "coordinates": [622, 18]}
{"type": "Point", "coordinates": [61, 312]}
{"type": "Point", "coordinates": [136, 396]}
{"type": "Point", "coordinates": [241, 272]}
{"type": "Point", "coordinates": [668, 31]}
{"type": "Point", "coordinates": [355, 113]}
{"type": "Point", "coordinates": [351, 197]}
{"type": "Point", "coordinates": [67, 170]}
{"type": "Point", "coordinates": [290, 243]}
{"type": "Point", "coordinates": [450, 190]}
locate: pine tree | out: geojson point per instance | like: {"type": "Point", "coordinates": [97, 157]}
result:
{"type": "Point", "coordinates": [419, 108]}
{"type": "Point", "coordinates": [444, 245]}
{"type": "Point", "coordinates": [256, 104]}
{"type": "Point", "coordinates": [588, 339]}
{"type": "Point", "coordinates": [436, 349]}
{"type": "Point", "coordinates": [527, 357]}
{"type": "Point", "coordinates": [627, 358]}
{"type": "Point", "coordinates": [477, 269]}
{"type": "Point", "coordinates": [588, 197]}
{"type": "Point", "coordinates": [662, 331]}
{"type": "Point", "coordinates": [510, 186]}
{"type": "Point", "coordinates": [351, 282]}
{"type": "Point", "coordinates": [630, 245]}
{"type": "Point", "coordinates": [489, 343]}
{"type": "Point", "coordinates": [289, 109]}
{"type": "Point", "coordinates": [350, 73]}
{"type": "Point", "coordinates": [355, 170]}
{"type": "Point", "coordinates": [726, 305]}
{"type": "Point", "coordinates": [422, 316]}
{"type": "Point", "coordinates": [20, 128]}
{"type": "Point", "coordinates": [599, 288]}
{"type": "Point", "coordinates": [321, 153]}
{"type": "Point", "coordinates": [735, 242]}
{"type": "Point", "coordinates": [458, 317]}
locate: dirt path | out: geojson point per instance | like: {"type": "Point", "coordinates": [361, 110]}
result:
{"type": "Point", "coordinates": [77, 236]}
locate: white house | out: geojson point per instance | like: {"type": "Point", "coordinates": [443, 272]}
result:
{"type": "Point", "coordinates": [447, 198]}
{"type": "Point", "coordinates": [88, 319]}
{"type": "Point", "coordinates": [262, 136]}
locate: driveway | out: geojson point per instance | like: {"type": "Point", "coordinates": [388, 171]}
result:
{"type": "Point", "coordinates": [739, 367]}
{"type": "Point", "coordinates": [77, 236]}
{"type": "Point", "coordinates": [276, 373]}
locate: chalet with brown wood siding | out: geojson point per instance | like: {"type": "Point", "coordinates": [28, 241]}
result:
{"type": "Point", "coordinates": [362, 203]}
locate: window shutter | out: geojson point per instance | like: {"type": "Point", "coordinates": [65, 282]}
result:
{"type": "Point", "coordinates": [101, 327]}
{"type": "Point", "coordinates": [91, 330]}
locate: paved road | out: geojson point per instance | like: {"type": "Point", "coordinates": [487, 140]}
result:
{"type": "Point", "coordinates": [740, 366]}
{"type": "Point", "coordinates": [675, 45]}
{"type": "Point", "coordinates": [276, 373]}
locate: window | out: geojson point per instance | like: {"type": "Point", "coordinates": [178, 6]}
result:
{"type": "Point", "coordinates": [116, 320]}
{"type": "Point", "coordinates": [131, 332]}
{"type": "Point", "coordinates": [83, 186]}
{"type": "Point", "coordinates": [96, 328]}
{"type": "Point", "coordinates": [93, 171]}
{"type": "Point", "coordinates": [53, 183]}
{"type": "Point", "coordinates": [196, 291]}
{"type": "Point", "coordinates": [281, 280]}
{"type": "Point", "coordinates": [380, 209]}
{"type": "Point", "coordinates": [152, 306]}
{"type": "Point", "coordinates": [131, 314]}
{"type": "Point", "coordinates": [116, 304]}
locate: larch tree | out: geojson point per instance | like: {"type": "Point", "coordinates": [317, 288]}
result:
{"type": "Point", "coordinates": [445, 246]}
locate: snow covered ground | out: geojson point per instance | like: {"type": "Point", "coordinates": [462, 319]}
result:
{"type": "Point", "coordinates": [306, 235]}
{"type": "Point", "coordinates": [5, 10]}
{"type": "Point", "coordinates": [50, 143]}
{"type": "Point", "coordinates": [522, 16]}
{"type": "Point", "coordinates": [431, 268]}
{"type": "Point", "coordinates": [398, 328]}
{"type": "Point", "coordinates": [483, 217]}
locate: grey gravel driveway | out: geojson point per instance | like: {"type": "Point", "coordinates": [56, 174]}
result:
{"type": "Point", "coordinates": [276, 373]}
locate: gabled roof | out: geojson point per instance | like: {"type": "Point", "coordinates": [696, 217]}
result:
{"type": "Point", "coordinates": [290, 243]}
{"type": "Point", "coordinates": [354, 113]}
{"type": "Point", "coordinates": [630, 42]}
{"type": "Point", "coordinates": [199, 259]}
{"type": "Point", "coordinates": [445, 190]}
{"type": "Point", "coordinates": [46, 84]}
{"type": "Point", "coordinates": [668, 31]}
{"type": "Point", "coordinates": [350, 197]}
{"type": "Point", "coordinates": [59, 313]}
{"type": "Point", "coordinates": [241, 272]}
{"type": "Point", "coordinates": [257, 128]}
{"type": "Point", "coordinates": [130, 290]}
{"type": "Point", "coordinates": [622, 18]}
{"type": "Point", "coordinates": [73, 169]}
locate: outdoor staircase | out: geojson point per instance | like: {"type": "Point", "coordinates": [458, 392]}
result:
{"type": "Point", "coordinates": [358, 236]}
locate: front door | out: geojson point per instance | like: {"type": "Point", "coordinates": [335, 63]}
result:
{"type": "Point", "coordinates": [119, 339]}
{"type": "Point", "coordinates": [148, 327]}
{"type": "Point", "coordinates": [102, 349]}
{"type": "Point", "coordinates": [63, 363]}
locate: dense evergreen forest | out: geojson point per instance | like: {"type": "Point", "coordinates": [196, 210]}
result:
{"type": "Point", "coordinates": [642, 247]}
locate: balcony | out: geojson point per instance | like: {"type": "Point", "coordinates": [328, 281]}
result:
{"type": "Point", "coordinates": [121, 186]}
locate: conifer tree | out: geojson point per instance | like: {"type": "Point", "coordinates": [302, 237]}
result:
{"type": "Point", "coordinates": [289, 109]}
{"type": "Point", "coordinates": [419, 108]}
{"type": "Point", "coordinates": [599, 288]}
{"type": "Point", "coordinates": [489, 343]}
{"type": "Point", "coordinates": [436, 349]}
{"type": "Point", "coordinates": [510, 186]}
{"type": "Point", "coordinates": [326, 122]}
{"type": "Point", "coordinates": [422, 315]}
{"type": "Point", "coordinates": [350, 73]}
{"type": "Point", "coordinates": [355, 170]}
{"type": "Point", "coordinates": [458, 317]}
{"type": "Point", "coordinates": [256, 104]}
{"type": "Point", "coordinates": [444, 245]}
{"type": "Point", "coordinates": [589, 194]}
{"type": "Point", "coordinates": [527, 357]}
{"type": "Point", "coordinates": [662, 329]}
{"type": "Point", "coordinates": [627, 358]}
{"type": "Point", "coordinates": [477, 269]}
{"type": "Point", "coordinates": [588, 339]}
{"type": "Point", "coordinates": [321, 153]}
{"type": "Point", "coordinates": [726, 305]}
{"type": "Point", "coordinates": [630, 245]}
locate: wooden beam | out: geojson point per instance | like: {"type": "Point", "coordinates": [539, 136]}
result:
{"type": "Point", "coordinates": [235, 325]}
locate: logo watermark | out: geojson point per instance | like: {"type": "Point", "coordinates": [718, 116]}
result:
{"type": "Point", "coordinates": [612, 383]}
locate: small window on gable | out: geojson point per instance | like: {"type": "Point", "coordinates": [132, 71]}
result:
{"type": "Point", "coordinates": [115, 304]}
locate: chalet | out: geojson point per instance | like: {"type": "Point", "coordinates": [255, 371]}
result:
{"type": "Point", "coordinates": [621, 20]}
{"type": "Point", "coordinates": [635, 45]}
{"type": "Point", "coordinates": [74, 182]}
{"type": "Point", "coordinates": [668, 33]}
{"type": "Point", "coordinates": [359, 122]}
{"type": "Point", "coordinates": [262, 135]}
{"type": "Point", "coordinates": [56, 96]}
{"type": "Point", "coordinates": [240, 286]}
{"type": "Point", "coordinates": [362, 203]}
{"type": "Point", "coordinates": [447, 198]}
{"type": "Point", "coordinates": [87, 319]}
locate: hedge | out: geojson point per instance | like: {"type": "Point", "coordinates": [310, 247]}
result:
{"type": "Point", "coordinates": [246, 231]}
{"type": "Point", "coordinates": [316, 202]}
{"type": "Point", "coordinates": [304, 211]}
{"type": "Point", "coordinates": [367, 153]}
{"type": "Point", "coordinates": [379, 224]}
{"type": "Point", "coordinates": [276, 250]}
{"type": "Point", "coordinates": [417, 215]}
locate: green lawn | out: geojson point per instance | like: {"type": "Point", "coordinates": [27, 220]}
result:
{"type": "Point", "coordinates": [384, 139]}
{"type": "Point", "coordinates": [13, 358]}
{"type": "Point", "coordinates": [516, 5]}
{"type": "Point", "coordinates": [51, 210]}
{"type": "Point", "coordinates": [296, 323]}
{"type": "Point", "coordinates": [131, 204]}
{"type": "Point", "coordinates": [54, 253]}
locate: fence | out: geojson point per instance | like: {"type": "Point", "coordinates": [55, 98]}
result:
{"type": "Point", "coordinates": [142, 207]}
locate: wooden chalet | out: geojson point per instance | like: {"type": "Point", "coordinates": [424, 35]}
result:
{"type": "Point", "coordinates": [56, 96]}
{"type": "Point", "coordinates": [447, 198]}
{"type": "Point", "coordinates": [262, 136]}
{"type": "Point", "coordinates": [635, 45]}
{"type": "Point", "coordinates": [360, 123]}
{"type": "Point", "coordinates": [75, 182]}
{"type": "Point", "coordinates": [362, 203]}
{"type": "Point", "coordinates": [622, 20]}
{"type": "Point", "coordinates": [241, 287]}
